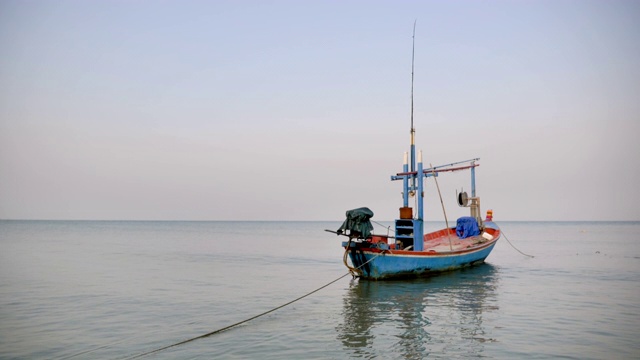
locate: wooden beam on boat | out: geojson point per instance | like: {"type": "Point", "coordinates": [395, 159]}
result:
{"type": "Point", "coordinates": [400, 176]}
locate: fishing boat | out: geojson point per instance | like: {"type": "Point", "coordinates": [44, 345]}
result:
{"type": "Point", "coordinates": [410, 252]}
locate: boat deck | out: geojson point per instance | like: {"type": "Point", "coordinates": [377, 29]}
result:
{"type": "Point", "coordinates": [441, 241]}
{"type": "Point", "coordinates": [446, 240]}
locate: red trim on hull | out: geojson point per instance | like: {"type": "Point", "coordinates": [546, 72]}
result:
{"type": "Point", "coordinates": [428, 253]}
{"type": "Point", "coordinates": [440, 239]}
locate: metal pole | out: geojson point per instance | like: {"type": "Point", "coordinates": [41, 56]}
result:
{"type": "Point", "coordinates": [418, 225]}
{"type": "Point", "coordinates": [405, 182]}
{"type": "Point", "coordinates": [413, 130]}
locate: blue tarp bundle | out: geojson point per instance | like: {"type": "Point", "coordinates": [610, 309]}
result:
{"type": "Point", "coordinates": [467, 226]}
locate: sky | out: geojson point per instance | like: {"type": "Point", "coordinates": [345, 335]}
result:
{"type": "Point", "coordinates": [300, 110]}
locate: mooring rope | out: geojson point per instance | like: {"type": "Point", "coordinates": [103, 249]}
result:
{"type": "Point", "coordinates": [352, 270]}
{"type": "Point", "coordinates": [88, 351]}
{"type": "Point", "coordinates": [94, 349]}
{"type": "Point", "coordinates": [247, 320]}
{"type": "Point", "coordinates": [505, 237]}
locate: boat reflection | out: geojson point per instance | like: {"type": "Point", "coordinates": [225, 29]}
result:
{"type": "Point", "coordinates": [411, 319]}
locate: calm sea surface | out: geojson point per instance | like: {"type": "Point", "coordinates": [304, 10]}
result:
{"type": "Point", "coordinates": [114, 290]}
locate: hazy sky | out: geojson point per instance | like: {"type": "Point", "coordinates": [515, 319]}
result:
{"type": "Point", "coordinates": [299, 110]}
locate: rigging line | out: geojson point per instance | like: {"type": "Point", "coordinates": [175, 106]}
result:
{"type": "Point", "coordinates": [383, 225]}
{"type": "Point", "coordinates": [435, 178]}
{"type": "Point", "coordinates": [505, 237]}
{"type": "Point", "coordinates": [249, 319]}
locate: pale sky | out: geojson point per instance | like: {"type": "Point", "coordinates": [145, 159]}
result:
{"type": "Point", "coordinates": [299, 110]}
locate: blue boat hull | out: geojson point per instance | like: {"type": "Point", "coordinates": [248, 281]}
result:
{"type": "Point", "coordinates": [379, 264]}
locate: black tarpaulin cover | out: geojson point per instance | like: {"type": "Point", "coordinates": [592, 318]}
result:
{"type": "Point", "coordinates": [358, 222]}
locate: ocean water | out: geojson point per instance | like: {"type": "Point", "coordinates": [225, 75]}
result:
{"type": "Point", "coordinates": [115, 290]}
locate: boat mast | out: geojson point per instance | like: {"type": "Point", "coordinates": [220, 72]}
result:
{"type": "Point", "coordinates": [418, 227]}
{"type": "Point", "coordinates": [409, 227]}
{"type": "Point", "coordinates": [413, 130]}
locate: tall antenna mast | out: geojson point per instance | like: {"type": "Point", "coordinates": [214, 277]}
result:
{"type": "Point", "coordinates": [413, 130]}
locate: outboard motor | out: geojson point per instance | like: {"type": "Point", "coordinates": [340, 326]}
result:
{"type": "Point", "coordinates": [357, 224]}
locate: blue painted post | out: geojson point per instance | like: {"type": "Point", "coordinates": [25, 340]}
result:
{"type": "Point", "coordinates": [413, 157]}
{"type": "Point", "coordinates": [405, 182]}
{"type": "Point", "coordinates": [473, 179]}
{"type": "Point", "coordinates": [413, 163]}
{"type": "Point", "coordinates": [418, 229]}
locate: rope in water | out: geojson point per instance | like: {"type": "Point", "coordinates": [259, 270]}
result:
{"type": "Point", "coordinates": [251, 318]}
{"type": "Point", "coordinates": [247, 320]}
{"type": "Point", "coordinates": [92, 350]}
{"type": "Point", "coordinates": [505, 237]}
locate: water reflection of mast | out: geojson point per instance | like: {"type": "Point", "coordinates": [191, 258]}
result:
{"type": "Point", "coordinates": [410, 319]}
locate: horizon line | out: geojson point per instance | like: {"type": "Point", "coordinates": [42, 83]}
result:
{"type": "Point", "coordinates": [253, 220]}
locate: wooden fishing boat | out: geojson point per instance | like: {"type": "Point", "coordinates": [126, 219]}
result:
{"type": "Point", "coordinates": [411, 252]}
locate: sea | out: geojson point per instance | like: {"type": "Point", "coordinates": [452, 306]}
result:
{"type": "Point", "coordinates": [147, 289]}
